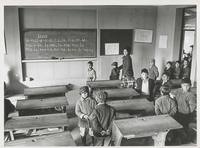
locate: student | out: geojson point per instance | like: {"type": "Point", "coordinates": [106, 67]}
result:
{"type": "Point", "coordinates": [177, 70]}
{"type": "Point", "coordinates": [115, 72]}
{"type": "Point", "coordinates": [145, 85]}
{"type": "Point", "coordinates": [91, 73]}
{"type": "Point", "coordinates": [127, 68]}
{"type": "Point", "coordinates": [186, 102]}
{"type": "Point", "coordinates": [102, 118]}
{"type": "Point", "coordinates": [185, 71]}
{"type": "Point", "coordinates": [153, 70]}
{"type": "Point", "coordinates": [84, 107]}
{"type": "Point", "coordinates": [168, 69]}
{"type": "Point", "coordinates": [163, 82]}
{"type": "Point", "coordinates": [165, 104]}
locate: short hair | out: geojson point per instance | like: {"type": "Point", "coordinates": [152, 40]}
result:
{"type": "Point", "coordinates": [164, 73]}
{"type": "Point", "coordinates": [169, 62]}
{"type": "Point", "coordinates": [186, 80]}
{"type": "Point", "coordinates": [84, 89]}
{"type": "Point", "coordinates": [114, 64]}
{"type": "Point", "coordinates": [165, 89]}
{"type": "Point", "coordinates": [90, 62]}
{"type": "Point", "coordinates": [178, 62]}
{"type": "Point", "coordinates": [101, 95]}
{"type": "Point", "coordinates": [144, 70]}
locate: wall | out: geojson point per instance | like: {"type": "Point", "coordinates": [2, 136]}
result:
{"type": "Point", "coordinates": [169, 20]}
{"type": "Point", "coordinates": [74, 71]}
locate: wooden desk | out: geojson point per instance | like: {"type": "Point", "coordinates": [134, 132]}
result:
{"type": "Point", "coordinates": [155, 126]}
{"type": "Point", "coordinates": [104, 84]}
{"type": "Point", "coordinates": [59, 139]}
{"type": "Point", "coordinates": [41, 103]}
{"type": "Point", "coordinates": [123, 93]}
{"type": "Point", "coordinates": [36, 122]}
{"type": "Point", "coordinates": [45, 90]}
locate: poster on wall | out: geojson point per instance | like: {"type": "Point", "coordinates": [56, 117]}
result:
{"type": "Point", "coordinates": [111, 48]}
{"type": "Point", "coordinates": [162, 41]}
{"type": "Point", "coordinates": [144, 36]}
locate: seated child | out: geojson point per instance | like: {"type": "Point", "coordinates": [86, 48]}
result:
{"type": "Point", "coordinates": [168, 69]}
{"type": "Point", "coordinates": [91, 73]}
{"type": "Point", "coordinates": [115, 72]}
{"type": "Point", "coordinates": [163, 82]}
{"type": "Point", "coordinates": [185, 71]}
{"type": "Point", "coordinates": [153, 70]}
{"type": "Point", "coordinates": [164, 104]}
{"type": "Point", "coordinates": [177, 70]}
{"type": "Point", "coordinates": [102, 118]}
{"type": "Point", "coordinates": [84, 107]}
{"type": "Point", "coordinates": [145, 85]}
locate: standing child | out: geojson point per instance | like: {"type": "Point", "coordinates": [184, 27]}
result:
{"type": "Point", "coordinates": [91, 73]}
{"type": "Point", "coordinates": [102, 118]}
{"type": "Point", "coordinates": [168, 69]}
{"type": "Point", "coordinates": [177, 70]}
{"type": "Point", "coordinates": [185, 72]}
{"type": "Point", "coordinates": [153, 70]}
{"type": "Point", "coordinates": [84, 107]}
{"type": "Point", "coordinates": [115, 72]}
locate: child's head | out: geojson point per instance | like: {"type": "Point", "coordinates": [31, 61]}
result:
{"type": "Point", "coordinates": [165, 90]}
{"type": "Point", "coordinates": [185, 84]}
{"type": "Point", "coordinates": [177, 64]}
{"type": "Point", "coordinates": [101, 96]}
{"type": "Point", "coordinates": [90, 64]}
{"type": "Point", "coordinates": [126, 52]}
{"type": "Point", "coordinates": [84, 92]}
{"type": "Point", "coordinates": [169, 64]}
{"type": "Point", "coordinates": [165, 77]}
{"type": "Point", "coordinates": [152, 62]}
{"type": "Point", "coordinates": [114, 64]}
{"type": "Point", "coordinates": [144, 73]}
{"type": "Point", "coordinates": [185, 63]}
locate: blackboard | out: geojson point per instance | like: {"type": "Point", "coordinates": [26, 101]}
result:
{"type": "Point", "coordinates": [58, 43]}
{"type": "Point", "coordinates": [122, 36]}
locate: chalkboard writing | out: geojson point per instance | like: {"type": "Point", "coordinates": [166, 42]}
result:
{"type": "Point", "coordinates": [53, 44]}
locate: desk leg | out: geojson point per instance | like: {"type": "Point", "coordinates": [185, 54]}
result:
{"type": "Point", "coordinates": [159, 139]}
{"type": "Point", "coordinates": [116, 135]}
{"type": "Point", "coordinates": [11, 135]}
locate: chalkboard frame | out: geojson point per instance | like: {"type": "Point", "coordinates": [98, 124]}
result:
{"type": "Point", "coordinates": [114, 39]}
{"type": "Point", "coordinates": [23, 31]}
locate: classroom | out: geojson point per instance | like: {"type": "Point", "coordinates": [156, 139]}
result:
{"type": "Point", "coordinates": [100, 75]}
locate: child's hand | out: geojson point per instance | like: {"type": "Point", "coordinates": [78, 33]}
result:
{"type": "Point", "coordinates": [103, 133]}
{"type": "Point", "coordinates": [86, 117]}
{"type": "Point", "coordinates": [171, 95]}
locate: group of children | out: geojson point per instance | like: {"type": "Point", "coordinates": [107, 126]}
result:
{"type": "Point", "coordinates": [95, 117]}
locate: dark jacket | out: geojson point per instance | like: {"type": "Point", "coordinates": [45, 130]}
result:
{"type": "Point", "coordinates": [158, 84]}
{"type": "Point", "coordinates": [114, 74]}
{"type": "Point", "coordinates": [127, 68]}
{"type": "Point", "coordinates": [169, 72]}
{"type": "Point", "coordinates": [151, 87]}
{"type": "Point", "coordinates": [102, 118]}
{"type": "Point", "coordinates": [185, 72]}
{"type": "Point", "coordinates": [177, 72]}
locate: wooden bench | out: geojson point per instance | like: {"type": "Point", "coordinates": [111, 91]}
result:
{"type": "Point", "coordinates": [155, 126]}
{"type": "Point", "coordinates": [36, 122]}
{"type": "Point", "coordinates": [41, 103]}
{"type": "Point", "coordinates": [120, 93]}
{"type": "Point", "coordinates": [104, 84]}
{"type": "Point", "coordinates": [59, 139]}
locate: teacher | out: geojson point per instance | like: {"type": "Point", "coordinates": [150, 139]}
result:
{"type": "Point", "coordinates": [127, 68]}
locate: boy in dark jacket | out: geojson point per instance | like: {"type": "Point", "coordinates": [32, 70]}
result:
{"type": "Point", "coordinates": [169, 70]}
{"type": "Point", "coordinates": [102, 118]}
{"type": "Point", "coordinates": [84, 107]}
{"type": "Point", "coordinates": [115, 72]}
{"type": "Point", "coordinates": [145, 85]}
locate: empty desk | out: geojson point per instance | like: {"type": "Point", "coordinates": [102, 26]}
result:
{"type": "Point", "coordinates": [59, 139]}
{"type": "Point", "coordinates": [155, 126]}
{"type": "Point", "coordinates": [36, 122]}
{"type": "Point", "coordinates": [104, 84]}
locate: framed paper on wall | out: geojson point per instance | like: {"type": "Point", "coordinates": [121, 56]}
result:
{"type": "Point", "coordinates": [144, 36]}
